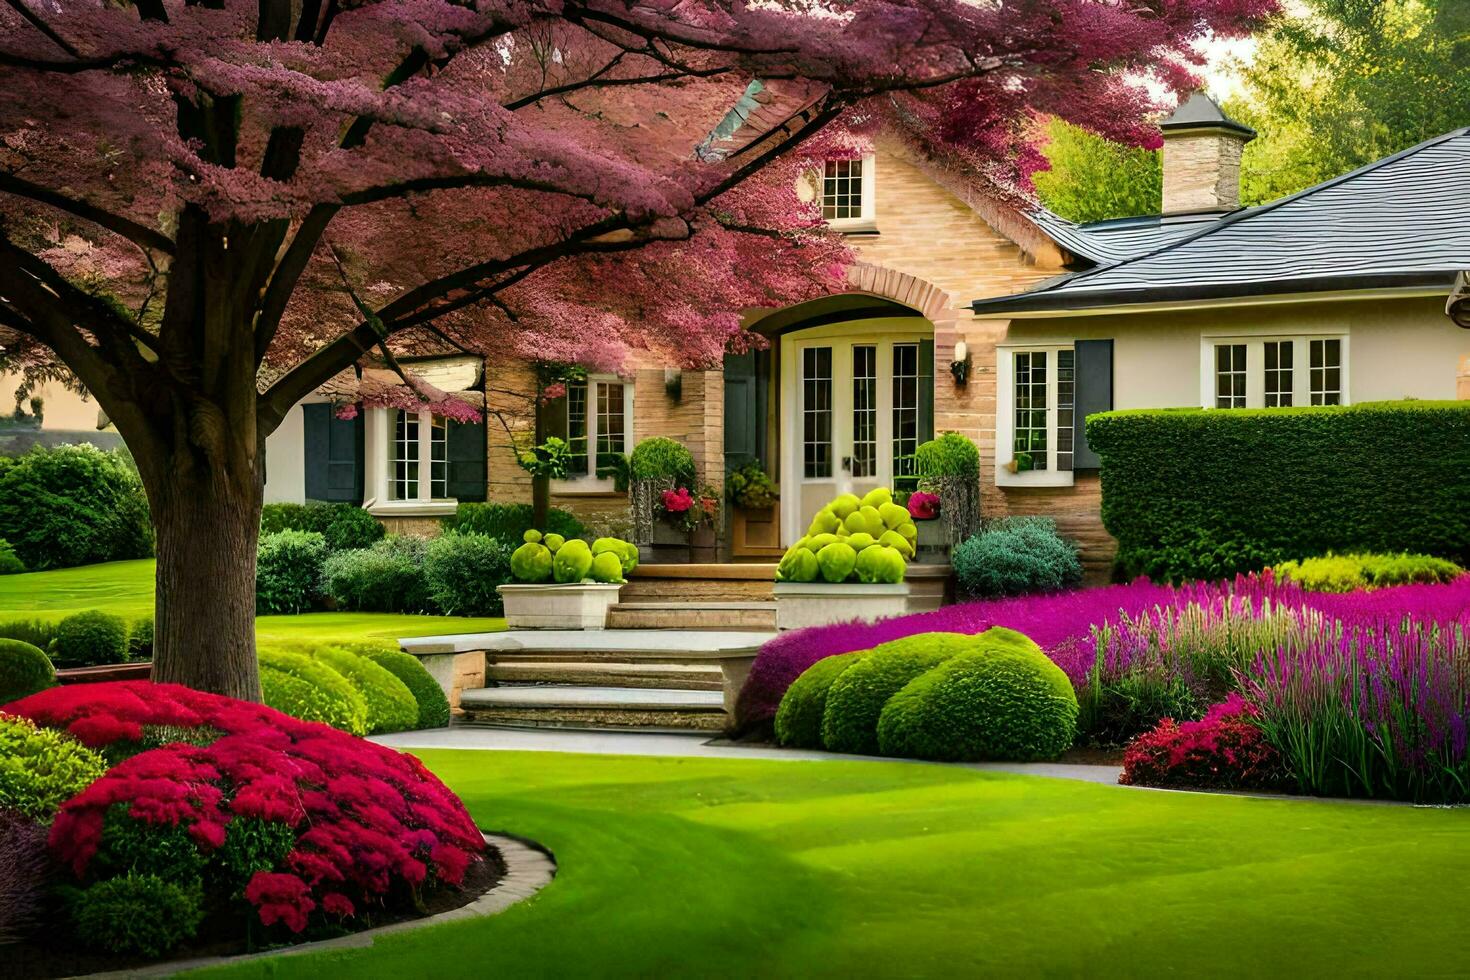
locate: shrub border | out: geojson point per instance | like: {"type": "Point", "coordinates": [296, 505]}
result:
{"type": "Point", "coordinates": [529, 867]}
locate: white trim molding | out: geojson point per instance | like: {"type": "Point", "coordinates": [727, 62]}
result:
{"type": "Point", "coordinates": [378, 443]}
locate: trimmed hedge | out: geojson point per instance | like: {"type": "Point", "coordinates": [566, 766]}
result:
{"type": "Point", "coordinates": [1191, 493]}
{"type": "Point", "coordinates": [462, 570]}
{"type": "Point", "coordinates": [89, 638]}
{"type": "Point", "coordinates": [510, 522]}
{"type": "Point", "coordinates": [1347, 573]}
{"type": "Point", "coordinates": [311, 690]}
{"type": "Point", "coordinates": [388, 577]}
{"type": "Point", "coordinates": [390, 704]}
{"type": "Point", "coordinates": [1002, 700]}
{"type": "Point", "coordinates": [856, 698]}
{"type": "Point", "coordinates": [342, 526]}
{"type": "Point", "coordinates": [799, 718]}
{"type": "Point", "coordinates": [288, 569]}
{"type": "Point", "coordinates": [24, 670]}
{"type": "Point", "coordinates": [73, 505]}
{"type": "Point", "coordinates": [433, 706]}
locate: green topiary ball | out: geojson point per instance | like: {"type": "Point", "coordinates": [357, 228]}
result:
{"type": "Point", "coordinates": [607, 567]}
{"type": "Point", "coordinates": [1002, 700]}
{"type": "Point", "coordinates": [571, 562]}
{"type": "Point", "coordinates": [311, 690]}
{"type": "Point", "coordinates": [661, 458]}
{"type": "Point", "coordinates": [856, 698]}
{"type": "Point", "coordinates": [390, 704]}
{"type": "Point", "coordinates": [433, 705]}
{"type": "Point", "coordinates": [836, 561]}
{"type": "Point", "coordinates": [93, 637]}
{"type": "Point", "coordinates": [799, 716]}
{"type": "Point", "coordinates": [41, 769]}
{"type": "Point", "coordinates": [531, 563]}
{"type": "Point", "coordinates": [136, 915]}
{"type": "Point", "coordinates": [24, 670]}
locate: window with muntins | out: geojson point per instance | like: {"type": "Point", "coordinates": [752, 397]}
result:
{"type": "Point", "coordinates": [597, 425]}
{"type": "Point", "coordinates": [842, 190]}
{"type": "Point", "coordinates": [905, 413]}
{"type": "Point", "coordinates": [405, 468]}
{"type": "Point", "coordinates": [1230, 376]}
{"type": "Point", "coordinates": [438, 458]}
{"type": "Point", "coordinates": [1066, 408]}
{"type": "Point", "coordinates": [1326, 372]}
{"type": "Point", "coordinates": [1279, 373]}
{"type": "Point", "coordinates": [864, 410]}
{"type": "Point", "coordinates": [1031, 399]}
{"type": "Point", "coordinates": [816, 412]}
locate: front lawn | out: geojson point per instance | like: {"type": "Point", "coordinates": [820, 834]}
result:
{"type": "Point", "coordinates": [691, 867]}
{"type": "Point", "coordinates": [126, 588]}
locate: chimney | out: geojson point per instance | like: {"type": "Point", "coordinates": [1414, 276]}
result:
{"type": "Point", "coordinates": [1202, 157]}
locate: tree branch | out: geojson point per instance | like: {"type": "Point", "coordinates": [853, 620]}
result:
{"type": "Point", "coordinates": [45, 28]}
{"type": "Point", "coordinates": [141, 235]}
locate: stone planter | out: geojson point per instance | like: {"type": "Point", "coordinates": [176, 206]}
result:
{"type": "Point", "coordinates": [670, 546]}
{"type": "Point", "coordinates": [704, 545]}
{"type": "Point", "coordinates": [580, 606]}
{"type": "Point", "coordinates": [931, 548]}
{"type": "Point", "coordinates": [802, 604]}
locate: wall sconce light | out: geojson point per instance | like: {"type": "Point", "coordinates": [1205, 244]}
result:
{"type": "Point", "coordinates": [674, 383]}
{"type": "Point", "coordinates": [960, 366]}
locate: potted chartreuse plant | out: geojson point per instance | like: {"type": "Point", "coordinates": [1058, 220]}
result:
{"type": "Point", "coordinates": [849, 565]}
{"type": "Point", "coordinates": [659, 469]}
{"type": "Point", "coordinates": [949, 472]}
{"type": "Point", "coordinates": [565, 583]}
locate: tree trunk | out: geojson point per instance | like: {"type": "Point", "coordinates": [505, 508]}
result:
{"type": "Point", "coordinates": [540, 500]}
{"type": "Point", "coordinates": [204, 613]}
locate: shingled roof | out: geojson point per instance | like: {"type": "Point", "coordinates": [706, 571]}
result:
{"type": "Point", "coordinates": [1402, 221]}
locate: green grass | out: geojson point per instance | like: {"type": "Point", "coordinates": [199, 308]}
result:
{"type": "Point", "coordinates": [126, 588]}
{"type": "Point", "coordinates": [684, 867]}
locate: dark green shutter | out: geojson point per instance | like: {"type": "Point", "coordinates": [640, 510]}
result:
{"type": "Point", "coordinates": [747, 381]}
{"type": "Point", "coordinates": [464, 454]}
{"type": "Point", "coordinates": [926, 390]}
{"type": "Point", "coordinates": [1094, 393]}
{"type": "Point", "coordinates": [333, 451]}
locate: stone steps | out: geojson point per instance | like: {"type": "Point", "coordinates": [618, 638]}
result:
{"type": "Point", "coordinates": [683, 614]}
{"type": "Point", "coordinates": [700, 583]}
{"type": "Point", "coordinates": [604, 673]}
{"type": "Point", "coordinates": [575, 706]}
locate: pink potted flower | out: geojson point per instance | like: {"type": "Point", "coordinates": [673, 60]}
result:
{"type": "Point", "coordinates": [923, 506]}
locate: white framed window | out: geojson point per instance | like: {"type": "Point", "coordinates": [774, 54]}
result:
{"type": "Point", "coordinates": [407, 463]}
{"type": "Point", "coordinates": [1037, 412]}
{"type": "Point", "coordinates": [816, 412]}
{"type": "Point", "coordinates": [905, 414]}
{"type": "Point", "coordinates": [599, 425]}
{"type": "Point", "coordinates": [1273, 371]}
{"type": "Point", "coordinates": [848, 194]}
{"type": "Point", "coordinates": [864, 410]}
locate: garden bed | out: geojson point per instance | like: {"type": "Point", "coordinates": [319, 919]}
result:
{"type": "Point", "coordinates": [53, 955]}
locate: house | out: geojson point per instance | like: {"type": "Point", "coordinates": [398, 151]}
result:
{"type": "Point", "coordinates": [971, 312]}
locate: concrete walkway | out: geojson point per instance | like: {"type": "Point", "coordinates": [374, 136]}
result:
{"type": "Point", "coordinates": [690, 745]}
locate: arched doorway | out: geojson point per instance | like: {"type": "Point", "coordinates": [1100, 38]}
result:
{"type": "Point", "coordinates": [837, 404]}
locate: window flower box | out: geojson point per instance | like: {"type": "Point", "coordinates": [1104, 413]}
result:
{"type": "Point", "coordinates": [569, 606]}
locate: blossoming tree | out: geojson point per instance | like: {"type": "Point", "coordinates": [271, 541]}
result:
{"type": "Point", "coordinates": [208, 208]}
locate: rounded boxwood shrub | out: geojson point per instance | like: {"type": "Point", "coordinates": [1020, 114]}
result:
{"type": "Point", "coordinates": [140, 639]}
{"type": "Point", "coordinates": [949, 454]}
{"type": "Point", "coordinates": [390, 704]}
{"type": "Point", "coordinates": [288, 567]}
{"type": "Point", "coordinates": [136, 914]}
{"type": "Point", "coordinates": [462, 570]}
{"type": "Point", "coordinates": [388, 577]}
{"type": "Point", "coordinates": [1017, 556]}
{"type": "Point", "coordinates": [311, 690]}
{"type": "Point", "coordinates": [93, 637]}
{"type": "Point", "coordinates": [799, 718]}
{"type": "Point", "coordinates": [24, 670]}
{"type": "Point", "coordinates": [73, 505]}
{"type": "Point", "coordinates": [433, 706]}
{"type": "Point", "coordinates": [856, 698]}
{"type": "Point", "coordinates": [510, 522]}
{"type": "Point", "coordinates": [352, 527]}
{"type": "Point", "coordinates": [41, 769]}
{"type": "Point", "coordinates": [1002, 700]}
{"type": "Point", "coordinates": [662, 458]}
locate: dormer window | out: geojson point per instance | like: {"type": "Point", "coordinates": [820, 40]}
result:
{"type": "Point", "coordinates": [848, 194]}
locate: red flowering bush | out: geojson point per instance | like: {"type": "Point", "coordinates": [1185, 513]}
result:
{"type": "Point", "coordinates": [923, 506]}
{"type": "Point", "coordinates": [678, 501]}
{"type": "Point", "coordinates": [368, 827]}
{"type": "Point", "coordinates": [1223, 750]}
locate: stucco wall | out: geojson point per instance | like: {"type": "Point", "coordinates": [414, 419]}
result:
{"type": "Point", "coordinates": [285, 460]}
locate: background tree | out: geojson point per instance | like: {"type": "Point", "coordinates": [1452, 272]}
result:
{"type": "Point", "coordinates": [1336, 84]}
{"type": "Point", "coordinates": [211, 208]}
{"type": "Point", "coordinates": [1092, 179]}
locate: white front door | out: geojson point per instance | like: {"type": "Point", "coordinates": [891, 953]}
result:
{"type": "Point", "coordinates": [850, 417]}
